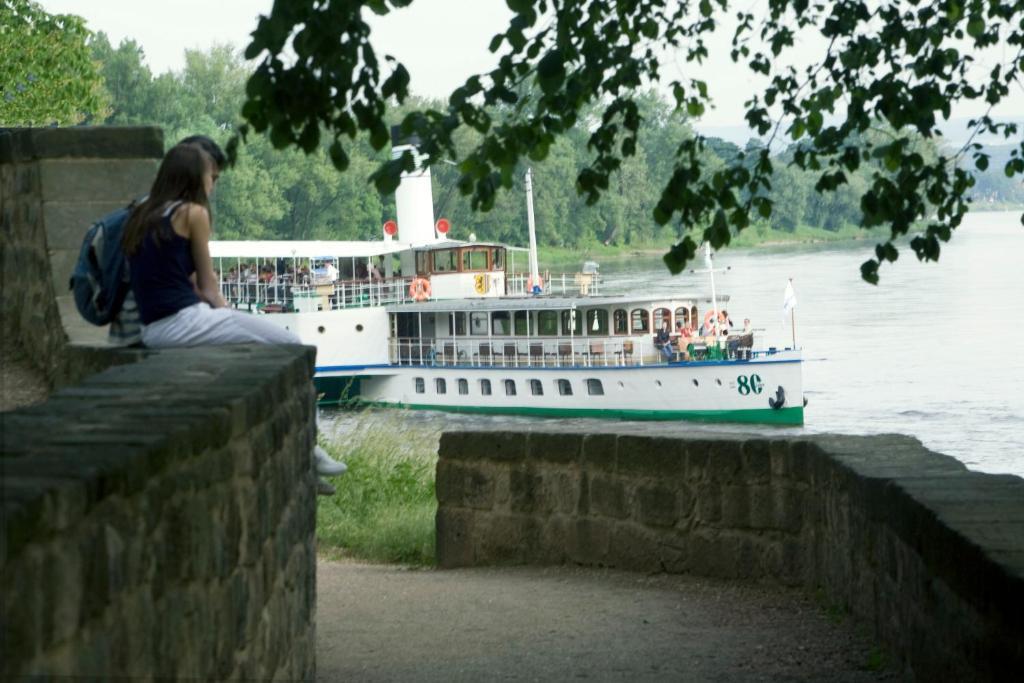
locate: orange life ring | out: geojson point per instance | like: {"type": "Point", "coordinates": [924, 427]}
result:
{"type": "Point", "coordinates": [709, 318]}
{"type": "Point", "coordinates": [530, 284]}
{"type": "Point", "coordinates": [419, 289]}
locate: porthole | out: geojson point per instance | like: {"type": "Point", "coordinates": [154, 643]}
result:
{"type": "Point", "coordinates": [320, 329]}
{"type": "Point", "coordinates": [718, 382]}
{"type": "Point", "coordinates": [621, 385]}
{"type": "Point", "coordinates": [657, 382]}
{"type": "Point", "coordinates": [359, 327]}
{"type": "Point", "coordinates": [696, 383]}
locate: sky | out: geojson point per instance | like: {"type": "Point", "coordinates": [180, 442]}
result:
{"type": "Point", "coordinates": [440, 42]}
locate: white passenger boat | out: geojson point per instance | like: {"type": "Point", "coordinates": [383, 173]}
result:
{"type": "Point", "coordinates": [418, 320]}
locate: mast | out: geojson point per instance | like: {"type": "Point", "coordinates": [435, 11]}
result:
{"type": "Point", "coordinates": [711, 272]}
{"type": "Point", "coordinates": [534, 268]}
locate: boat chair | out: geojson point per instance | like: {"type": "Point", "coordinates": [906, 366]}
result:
{"type": "Point", "coordinates": [511, 354]}
{"type": "Point", "coordinates": [536, 353]}
{"type": "Point", "coordinates": [596, 350]}
{"type": "Point", "coordinates": [448, 354]}
{"type": "Point", "coordinates": [564, 352]}
{"type": "Point", "coordinates": [486, 355]}
{"type": "Point", "coordinates": [626, 353]}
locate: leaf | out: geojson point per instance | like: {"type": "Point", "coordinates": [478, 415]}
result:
{"type": "Point", "coordinates": [550, 71]}
{"type": "Point", "coordinates": [975, 26]}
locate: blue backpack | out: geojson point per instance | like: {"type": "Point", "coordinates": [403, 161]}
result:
{"type": "Point", "coordinates": [100, 281]}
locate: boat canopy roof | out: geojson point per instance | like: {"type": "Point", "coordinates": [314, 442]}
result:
{"type": "Point", "coordinates": [520, 303]}
{"type": "Point", "coordinates": [454, 244]}
{"type": "Point", "coordinates": [272, 249]}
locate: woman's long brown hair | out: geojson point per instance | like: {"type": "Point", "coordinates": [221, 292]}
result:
{"type": "Point", "coordinates": [180, 178]}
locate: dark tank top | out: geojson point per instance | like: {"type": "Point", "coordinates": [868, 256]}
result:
{"type": "Point", "coordinates": [160, 272]}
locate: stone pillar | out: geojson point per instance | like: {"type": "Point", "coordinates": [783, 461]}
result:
{"type": "Point", "coordinates": [54, 183]}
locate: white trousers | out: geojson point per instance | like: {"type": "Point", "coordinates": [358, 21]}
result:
{"type": "Point", "coordinates": [200, 325]}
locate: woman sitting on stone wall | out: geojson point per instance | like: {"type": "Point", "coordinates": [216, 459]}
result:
{"type": "Point", "coordinates": [167, 243]}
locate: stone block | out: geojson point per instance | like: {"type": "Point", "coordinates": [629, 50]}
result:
{"type": "Point", "coordinates": [635, 548]}
{"type": "Point", "coordinates": [725, 462]}
{"type": "Point", "coordinates": [600, 452]}
{"type": "Point", "coordinates": [735, 507]}
{"type": "Point", "coordinates": [92, 142]}
{"type": "Point", "coordinates": [455, 538]}
{"type": "Point", "coordinates": [698, 454]}
{"type": "Point", "coordinates": [559, 448]}
{"type": "Point", "coordinates": [526, 493]}
{"type": "Point", "coordinates": [562, 490]}
{"type": "Point", "coordinates": [646, 457]}
{"type": "Point", "coordinates": [471, 445]}
{"type": "Point", "coordinates": [708, 497]}
{"type": "Point", "coordinates": [788, 503]}
{"type": "Point", "coordinates": [608, 497]}
{"type": "Point", "coordinates": [656, 506]}
{"type": "Point", "coordinates": [84, 180]}
{"type": "Point", "coordinates": [67, 222]}
{"type": "Point", "coordinates": [757, 462]}
{"type": "Point", "coordinates": [511, 539]}
{"type": "Point", "coordinates": [590, 541]}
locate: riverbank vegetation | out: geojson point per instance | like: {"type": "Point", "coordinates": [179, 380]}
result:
{"type": "Point", "coordinates": [285, 194]}
{"type": "Point", "coordinates": [385, 504]}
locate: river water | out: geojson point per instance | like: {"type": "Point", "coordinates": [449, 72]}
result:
{"type": "Point", "coordinates": [935, 351]}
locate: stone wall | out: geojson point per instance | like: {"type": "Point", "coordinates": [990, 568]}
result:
{"type": "Point", "coordinates": [54, 183]}
{"type": "Point", "coordinates": [928, 553]}
{"type": "Point", "coordinates": [159, 519]}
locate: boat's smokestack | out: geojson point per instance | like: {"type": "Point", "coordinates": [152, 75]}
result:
{"type": "Point", "coordinates": [413, 198]}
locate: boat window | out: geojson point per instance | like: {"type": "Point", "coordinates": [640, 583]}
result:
{"type": "Point", "coordinates": [564, 387]}
{"type": "Point", "coordinates": [474, 259]}
{"type": "Point", "coordinates": [498, 259]}
{"type": "Point", "coordinates": [501, 323]}
{"type": "Point", "coordinates": [641, 320]}
{"type": "Point", "coordinates": [621, 318]}
{"type": "Point", "coordinates": [463, 387]}
{"type": "Point", "coordinates": [420, 386]}
{"type": "Point", "coordinates": [485, 387]}
{"type": "Point", "coordinates": [440, 386]}
{"type": "Point", "coordinates": [520, 324]}
{"type": "Point", "coordinates": [422, 263]}
{"type": "Point", "coordinates": [478, 323]}
{"type": "Point", "coordinates": [572, 322]}
{"type": "Point", "coordinates": [683, 316]}
{"type": "Point", "coordinates": [536, 387]}
{"type": "Point", "coordinates": [444, 261]}
{"type": "Point", "coordinates": [547, 323]}
{"type": "Point", "coordinates": [460, 323]}
{"type": "Point", "coordinates": [597, 321]}
{"type": "Point", "coordinates": [594, 387]}
{"type": "Point", "coordinates": [662, 315]}
{"type": "Point", "coordinates": [510, 387]}
{"type": "Point", "coordinates": [693, 317]}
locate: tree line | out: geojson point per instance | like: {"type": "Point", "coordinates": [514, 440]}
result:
{"type": "Point", "coordinates": [287, 194]}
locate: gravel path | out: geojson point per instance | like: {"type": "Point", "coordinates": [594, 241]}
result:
{"type": "Point", "coordinates": [386, 623]}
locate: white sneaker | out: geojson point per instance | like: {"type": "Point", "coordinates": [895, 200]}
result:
{"type": "Point", "coordinates": [326, 465]}
{"type": "Point", "coordinates": [324, 487]}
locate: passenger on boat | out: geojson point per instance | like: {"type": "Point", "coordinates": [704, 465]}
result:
{"type": "Point", "coordinates": [663, 341]}
{"type": "Point", "coordinates": [685, 338]}
{"type": "Point", "coordinates": [375, 273]}
{"type": "Point", "coordinates": [724, 323]}
{"type": "Point", "coordinates": [167, 243]}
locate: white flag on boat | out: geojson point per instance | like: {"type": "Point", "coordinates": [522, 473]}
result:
{"type": "Point", "coordinates": [789, 300]}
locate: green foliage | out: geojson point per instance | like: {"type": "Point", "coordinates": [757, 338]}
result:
{"type": "Point", "coordinates": [47, 75]}
{"type": "Point", "coordinates": [385, 505]}
{"type": "Point", "coordinates": [895, 62]}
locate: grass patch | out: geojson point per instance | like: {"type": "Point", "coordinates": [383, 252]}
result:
{"type": "Point", "coordinates": [385, 505]}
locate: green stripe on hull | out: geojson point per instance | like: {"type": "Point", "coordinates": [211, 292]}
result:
{"type": "Point", "coordinates": [784, 416]}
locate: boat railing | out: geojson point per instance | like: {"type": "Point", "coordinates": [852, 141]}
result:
{"type": "Point", "coordinates": [564, 284]}
{"type": "Point", "coordinates": [286, 295]}
{"type": "Point", "coordinates": [557, 352]}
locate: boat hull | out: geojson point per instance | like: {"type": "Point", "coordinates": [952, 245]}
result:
{"type": "Point", "coordinates": [735, 391]}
